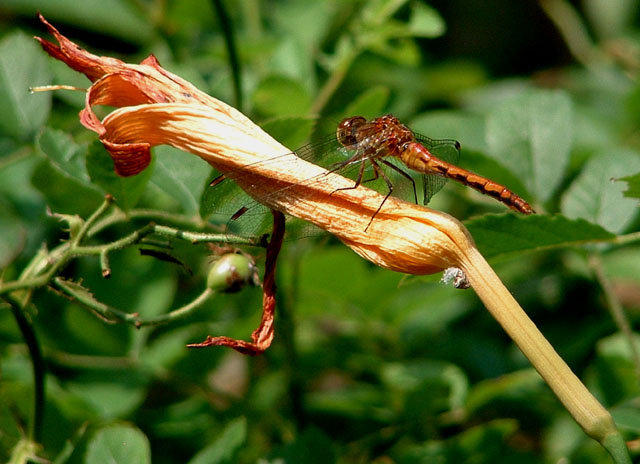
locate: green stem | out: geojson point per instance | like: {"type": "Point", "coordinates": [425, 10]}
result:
{"type": "Point", "coordinates": [179, 313]}
{"type": "Point", "coordinates": [572, 28]}
{"type": "Point", "coordinates": [287, 335]}
{"type": "Point", "coordinates": [230, 42]}
{"type": "Point", "coordinates": [118, 216]}
{"type": "Point", "coordinates": [627, 238]}
{"type": "Point", "coordinates": [38, 367]}
{"type": "Point", "coordinates": [332, 84]}
{"type": "Point", "coordinates": [110, 314]}
{"type": "Point", "coordinates": [199, 237]}
{"type": "Point", "coordinates": [64, 253]}
{"type": "Point", "coordinates": [617, 312]}
{"type": "Point", "coordinates": [84, 230]}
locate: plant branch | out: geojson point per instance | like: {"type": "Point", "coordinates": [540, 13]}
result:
{"type": "Point", "coordinates": [81, 295]}
{"type": "Point", "coordinates": [616, 310]}
{"type": "Point", "coordinates": [572, 29]}
{"type": "Point", "coordinates": [38, 368]}
{"type": "Point", "coordinates": [45, 265]}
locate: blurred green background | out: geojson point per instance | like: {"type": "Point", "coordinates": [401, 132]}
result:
{"type": "Point", "coordinates": [367, 365]}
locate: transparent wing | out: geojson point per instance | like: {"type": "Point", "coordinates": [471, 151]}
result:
{"type": "Point", "coordinates": [230, 206]}
{"type": "Point", "coordinates": [447, 150]}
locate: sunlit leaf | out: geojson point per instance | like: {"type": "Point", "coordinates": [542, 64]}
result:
{"type": "Point", "coordinates": [281, 96]}
{"type": "Point", "coordinates": [531, 134]}
{"type": "Point", "coordinates": [425, 21]}
{"type": "Point", "coordinates": [292, 132]}
{"type": "Point", "coordinates": [500, 234]}
{"type": "Point", "coordinates": [65, 154]}
{"type": "Point", "coordinates": [596, 197]}
{"type": "Point", "coordinates": [180, 175]}
{"type": "Point", "coordinates": [22, 112]}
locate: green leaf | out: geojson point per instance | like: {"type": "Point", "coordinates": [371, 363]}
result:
{"type": "Point", "coordinates": [63, 193]}
{"type": "Point", "coordinates": [483, 165]}
{"type": "Point", "coordinates": [487, 442]}
{"type": "Point", "coordinates": [311, 447]}
{"type": "Point", "coordinates": [117, 18]}
{"type": "Point", "coordinates": [118, 444]}
{"type": "Point", "coordinates": [414, 376]}
{"type": "Point", "coordinates": [501, 234]}
{"type": "Point", "coordinates": [622, 264]}
{"type": "Point", "coordinates": [225, 447]}
{"type": "Point", "coordinates": [633, 186]}
{"type": "Point", "coordinates": [107, 398]}
{"type": "Point", "coordinates": [292, 132]}
{"type": "Point", "coordinates": [425, 21]}
{"type": "Point", "coordinates": [594, 196]}
{"type": "Point", "coordinates": [182, 176]}
{"type": "Point", "coordinates": [13, 234]}
{"type": "Point", "coordinates": [627, 418]}
{"type": "Point", "coordinates": [611, 19]}
{"type": "Point", "coordinates": [64, 154]}
{"type": "Point", "coordinates": [281, 96]}
{"type": "Point", "coordinates": [22, 65]}
{"type": "Point", "coordinates": [468, 129]}
{"type": "Point", "coordinates": [531, 134]}
{"type": "Point", "coordinates": [126, 190]}
{"type": "Point", "coordinates": [617, 378]}
{"type": "Point", "coordinates": [520, 384]}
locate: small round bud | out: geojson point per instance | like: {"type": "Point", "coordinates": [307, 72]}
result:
{"type": "Point", "coordinates": [231, 272]}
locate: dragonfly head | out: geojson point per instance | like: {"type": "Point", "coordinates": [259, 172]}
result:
{"type": "Point", "coordinates": [347, 129]}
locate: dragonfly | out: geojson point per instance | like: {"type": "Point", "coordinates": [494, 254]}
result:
{"type": "Point", "coordinates": [380, 151]}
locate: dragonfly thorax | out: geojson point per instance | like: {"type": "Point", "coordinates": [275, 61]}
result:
{"type": "Point", "coordinates": [380, 137]}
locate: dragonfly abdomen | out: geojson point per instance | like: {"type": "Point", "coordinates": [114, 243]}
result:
{"type": "Point", "coordinates": [490, 188]}
{"type": "Point", "coordinates": [418, 158]}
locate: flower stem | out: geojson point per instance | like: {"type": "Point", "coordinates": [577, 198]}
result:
{"type": "Point", "coordinates": [594, 419]}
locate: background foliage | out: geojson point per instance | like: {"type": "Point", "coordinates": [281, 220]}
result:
{"type": "Point", "coordinates": [367, 365]}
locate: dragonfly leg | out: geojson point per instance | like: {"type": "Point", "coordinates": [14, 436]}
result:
{"type": "Point", "coordinates": [400, 171]}
{"type": "Point", "coordinates": [363, 158]}
{"type": "Point", "coordinates": [379, 173]}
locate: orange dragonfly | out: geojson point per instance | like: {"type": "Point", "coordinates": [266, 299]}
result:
{"type": "Point", "coordinates": [386, 137]}
{"type": "Point", "coordinates": [374, 153]}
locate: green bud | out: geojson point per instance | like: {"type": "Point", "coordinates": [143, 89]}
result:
{"type": "Point", "coordinates": [231, 272]}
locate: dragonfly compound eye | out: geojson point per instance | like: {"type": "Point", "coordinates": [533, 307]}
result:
{"type": "Point", "coordinates": [347, 130]}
